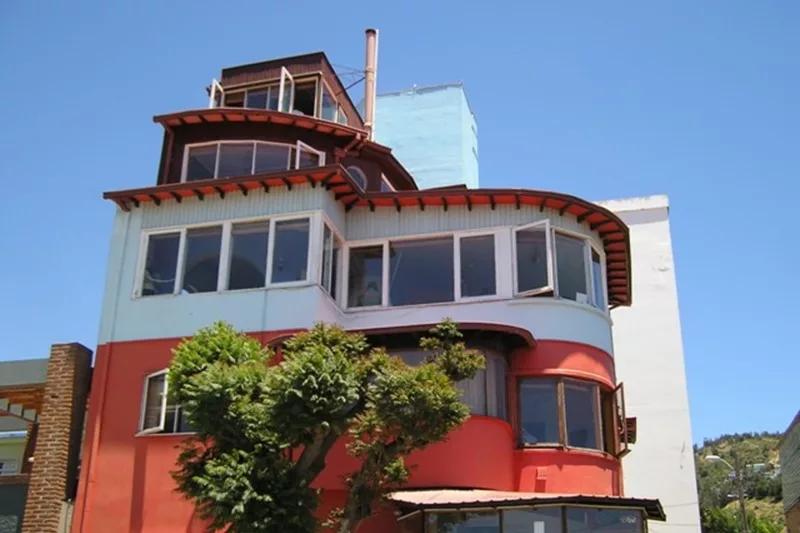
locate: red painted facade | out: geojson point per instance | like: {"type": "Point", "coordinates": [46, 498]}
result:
{"type": "Point", "coordinates": [125, 483]}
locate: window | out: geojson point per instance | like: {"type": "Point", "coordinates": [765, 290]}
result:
{"type": "Point", "coordinates": [233, 159]}
{"type": "Point", "coordinates": [463, 522]}
{"type": "Point", "coordinates": [257, 99]}
{"type": "Point", "coordinates": [581, 405]}
{"type": "Point", "coordinates": [588, 520]}
{"type": "Point", "coordinates": [554, 262]}
{"type": "Point", "coordinates": [290, 251]}
{"type": "Point", "coordinates": [485, 394]}
{"type": "Point", "coordinates": [328, 104]}
{"type": "Point", "coordinates": [534, 269]}
{"type": "Point", "coordinates": [160, 413]}
{"type": "Point", "coordinates": [9, 467]}
{"type": "Point", "coordinates": [599, 298]}
{"type": "Point", "coordinates": [161, 264]}
{"type": "Point", "coordinates": [544, 520]}
{"type": "Point", "coordinates": [248, 262]}
{"type": "Point", "coordinates": [421, 271]}
{"type": "Point", "coordinates": [568, 412]}
{"type": "Point", "coordinates": [341, 117]}
{"type": "Point", "coordinates": [331, 248]}
{"type": "Point", "coordinates": [194, 260]}
{"type": "Point", "coordinates": [201, 264]}
{"type": "Point", "coordinates": [477, 268]}
{"type": "Point", "coordinates": [365, 277]}
{"type": "Point", "coordinates": [538, 401]}
{"type": "Point", "coordinates": [385, 185]}
{"type": "Point", "coordinates": [358, 176]}
{"type": "Point", "coordinates": [571, 268]}
{"type": "Point", "coordinates": [305, 98]}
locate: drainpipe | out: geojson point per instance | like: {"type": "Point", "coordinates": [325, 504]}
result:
{"type": "Point", "coordinates": [370, 75]}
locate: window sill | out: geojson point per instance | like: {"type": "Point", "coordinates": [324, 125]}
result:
{"type": "Point", "coordinates": [568, 450]}
{"type": "Point", "coordinates": [141, 434]}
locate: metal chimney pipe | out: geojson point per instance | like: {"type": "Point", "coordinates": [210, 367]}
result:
{"type": "Point", "coordinates": [370, 75]}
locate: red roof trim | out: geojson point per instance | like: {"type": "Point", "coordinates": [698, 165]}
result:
{"type": "Point", "coordinates": [613, 232]}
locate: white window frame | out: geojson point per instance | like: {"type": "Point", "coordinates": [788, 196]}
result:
{"type": "Point", "coordinates": [551, 278]}
{"type": "Point", "coordinates": [336, 234]}
{"type": "Point", "coordinates": [216, 88]}
{"type": "Point", "coordinates": [162, 419]}
{"type": "Point", "coordinates": [271, 247]}
{"type": "Point", "coordinates": [282, 91]}
{"type": "Point", "coordinates": [303, 146]}
{"type": "Point", "coordinates": [336, 106]}
{"type": "Point", "coordinates": [603, 282]}
{"type": "Point", "coordinates": [457, 237]}
{"type": "Point", "coordinates": [340, 114]}
{"type": "Point", "coordinates": [587, 262]}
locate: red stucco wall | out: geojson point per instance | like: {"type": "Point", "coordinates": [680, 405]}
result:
{"type": "Point", "coordinates": [125, 483]}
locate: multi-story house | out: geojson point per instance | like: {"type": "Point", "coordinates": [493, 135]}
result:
{"type": "Point", "coordinates": [274, 209]}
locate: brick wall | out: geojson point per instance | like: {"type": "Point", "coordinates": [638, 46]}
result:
{"type": "Point", "coordinates": [59, 435]}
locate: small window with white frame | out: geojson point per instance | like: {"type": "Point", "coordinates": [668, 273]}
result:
{"type": "Point", "coordinates": [160, 413]}
{"type": "Point", "coordinates": [289, 250]}
{"type": "Point", "coordinates": [161, 264]}
{"type": "Point", "coordinates": [477, 275]}
{"type": "Point", "coordinates": [365, 276]}
{"type": "Point", "coordinates": [331, 251]}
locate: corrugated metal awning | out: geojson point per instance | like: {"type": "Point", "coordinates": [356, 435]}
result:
{"type": "Point", "coordinates": [465, 498]}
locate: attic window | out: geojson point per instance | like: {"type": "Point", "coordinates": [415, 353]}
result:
{"type": "Point", "coordinates": [305, 95]}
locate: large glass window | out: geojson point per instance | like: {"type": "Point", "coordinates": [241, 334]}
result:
{"type": "Point", "coordinates": [477, 266]}
{"type": "Point", "coordinates": [201, 264]}
{"type": "Point", "coordinates": [582, 414]}
{"type": "Point", "coordinates": [571, 268]}
{"type": "Point", "coordinates": [365, 276]}
{"type": "Point", "coordinates": [538, 404]}
{"type": "Point", "coordinates": [235, 160]}
{"type": "Point", "coordinates": [248, 261]}
{"type": "Point", "coordinates": [460, 522]}
{"type": "Point", "coordinates": [201, 162]}
{"type": "Point", "coordinates": [533, 262]}
{"type": "Point", "coordinates": [161, 264]}
{"type": "Point", "coordinates": [421, 271]}
{"type": "Point", "coordinates": [545, 520]}
{"type": "Point", "coordinates": [588, 520]}
{"type": "Point", "coordinates": [290, 251]}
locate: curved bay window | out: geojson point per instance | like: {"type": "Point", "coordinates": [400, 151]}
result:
{"type": "Point", "coordinates": [485, 394]}
{"type": "Point", "coordinates": [570, 413]}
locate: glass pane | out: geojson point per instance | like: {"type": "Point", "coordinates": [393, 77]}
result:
{"type": "Point", "coordinates": [235, 160]}
{"type": "Point", "coordinates": [571, 265]}
{"type": "Point", "coordinates": [161, 264]}
{"type": "Point", "coordinates": [170, 417]}
{"type": "Point", "coordinates": [182, 424]}
{"type": "Point", "coordinates": [272, 100]}
{"type": "Point", "coordinates": [597, 279]}
{"type": "Point", "coordinates": [365, 279]}
{"type": "Point", "coordinates": [257, 99]}
{"type": "Point", "coordinates": [385, 185]}
{"type": "Point", "coordinates": [337, 250]}
{"type": "Point", "coordinates": [457, 522]}
{"type": "Point", "coordinates": [234, 99]}
{"type": "Point", "coordinates": [328, 105]}
{"type": "Point", "coordinates": [290, 251]}
{"type": "Point", "coordinates": [477, 266]}
{"type": "Point", "coordinates": [248, 268]}
{"type": "Point", "coordinates": [546, 520]}
{"type": "Point", "coordinates": [327, 252]}
{"type": "Point", "coordinates": [358, 176]}
{"type": "Point", "coordinates": [341, 117]}
{"type": "Point", "coordinates": [308, 159]}
{"type": "Point", "coordinates": [582, 414]}
{"type": "Point", "coordinates": [271, 158]}
{"type": "Point", "coordinates": [201, 268]}
{"type": "Point", "coordinates": [585, 520]}
{"type": "Point", "coordinates": [538, 400]}
{"type": "Point", "coordinates": [153, 401]}
{"type": "Point", "coordinates": [473, 393]}
{"type": "Point", "coordinates": [421, 272]}
{"type": "Point", "coordinates": [531, 259]}
{"type": "Point", "coordinates": [496, 383]}
{"type": "Point", "coordinates": [201, 162]}
{"type": "Point", "coordinates": [305, 95]}
{"type": "Point", "coordinates": [288, 94]}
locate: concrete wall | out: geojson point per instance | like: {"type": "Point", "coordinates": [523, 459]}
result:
{"type": "Point", "coordinates": [432, 131]}
{"type": "Point", "coordinates": [648, 351]}
{"type": "Point", "coordinates": [790, 466]}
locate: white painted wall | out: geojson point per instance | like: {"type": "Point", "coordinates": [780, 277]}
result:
{"type": "Point", "coordinates": [648, 351]}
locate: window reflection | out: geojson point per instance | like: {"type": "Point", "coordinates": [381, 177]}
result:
{"type": "Point", "coordinates": [580, 399]}
{"type": "Point", "coordinates": [458, 522]}
{"type": "Point", "coordinates": [365, 277]}
{"type": "Point", "coordinates": [201, 264]}
{"type": "Point", "coordinates": [421, 271]}
{"type": "Point", "coordinates": [532, 520]}
{"type": "Point", "coordinates": [290, 251]}
{"type": "Point", "coordinates": [248, 268]}
{"type": "Point", "coordinates": [538, 399]}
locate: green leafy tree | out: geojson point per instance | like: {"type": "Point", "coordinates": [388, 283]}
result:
{"type": "Point", "coordinates": [263, 431]}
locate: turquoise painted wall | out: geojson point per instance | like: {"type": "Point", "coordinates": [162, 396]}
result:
{"type": "Point", "coordinates": [432, 132]}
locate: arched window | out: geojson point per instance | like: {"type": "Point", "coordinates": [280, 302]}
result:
{"type": "Point", "coordinates": [358, 176]}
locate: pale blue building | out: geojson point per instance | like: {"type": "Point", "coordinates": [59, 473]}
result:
{"type": "Point", "coordinates": [433, 132]}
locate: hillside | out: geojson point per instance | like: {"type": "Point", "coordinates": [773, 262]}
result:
{"type": "Point", "coordinates": [760, 475]}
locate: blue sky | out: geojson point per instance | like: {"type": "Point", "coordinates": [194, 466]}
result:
{"type": "Point", "coordinates": [696, 100]}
